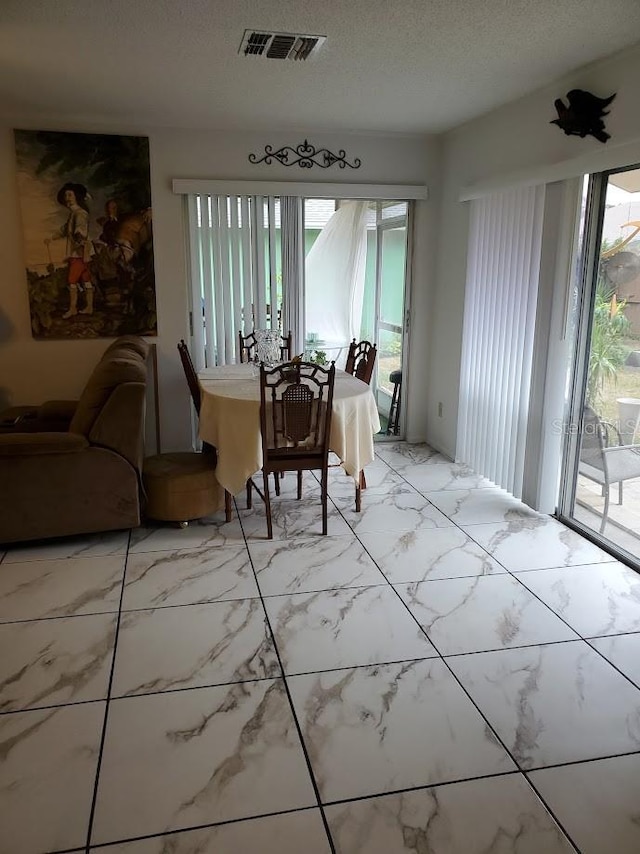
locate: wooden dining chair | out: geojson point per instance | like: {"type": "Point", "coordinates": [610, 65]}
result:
{"type": "Point", "coordinates": [295, 420]}
{"type": "Point", "coordinates": [196, 397]}
{"type": "Point", "coordinates": [361, 359]}
{"type": "Point", "coordinates": [248, 346]}
{"type": "Point", "coordinates": [190, 374]}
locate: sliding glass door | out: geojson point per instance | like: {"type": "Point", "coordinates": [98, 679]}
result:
{"type": "Point", "coordinates": [390, 305]}
{"type": "Point", "coordinates": [328, 270]}
{"type": "Point", "coordinates": [601, 480]}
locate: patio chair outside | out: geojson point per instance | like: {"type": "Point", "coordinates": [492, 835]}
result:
{"type": "Point", "coordinates": [604, 459]}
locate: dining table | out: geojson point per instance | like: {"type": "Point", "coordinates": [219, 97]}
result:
{"type": "Point", "coordinates": [230, 421]}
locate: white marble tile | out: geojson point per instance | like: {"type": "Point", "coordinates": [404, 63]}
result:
{"type": "Point", "coordinates": [48, 767]}
{"type": "Point", "coordinates": [395, 512]}
{"type": "Point", "coordinates": [60, 588]}
{"type": "Point", "coordinates": [292, 518]}
{"type": "Point", "coordinates": [475, 506]}
{"type": "Point", "coordinates": [344, 628]}
{"type": "Point", "coordinates": [302, 566]}
{"type": "Point", "coordinates": [291, 833]}
{"type": "Point", "coordinates": [499, 814]}
{"type": "Point", "coordinates": [192, 646]}
{"type": "Point", "coordinates": [52, 662]}
{"type": "Point", "coordinates": [188, 758]}
{"type": "Point", "coordinates": [599, 599]}
{"type": "Point", "coordinates": [623, 651]}
{"type": "Point", "coordinates": [372, 730]}
{"type": "Point", "coordinates": [596, 802]}
{"type": "Point", "coordinates": [553, 704]}
{"type": "Point", "coordinates": [90, 545]}
{"type": "Point", "coordinates": [535, 543]}
{"type": "Point", "coordinates": [155, 579]}
{"type": "Point", "coordinates": [400, 455]}
{"type": "Point", "coordinates": [428, 554]}
{"type": "Point", "coordinates": [429, 478]}
{"type": "Point", "coordinates": [379, 477]}
{"type": "Point", "coordinates": [199, 534]}
{"type": "Point", "coordinates": [481, 613]}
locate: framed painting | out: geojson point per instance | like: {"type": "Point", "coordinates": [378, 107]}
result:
{"type": "Point", "coordinates": [85, 201]}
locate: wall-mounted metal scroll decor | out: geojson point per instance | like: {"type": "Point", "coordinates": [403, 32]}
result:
{"type": "Point", "coordinates": [305, 156]}
{"type": "Point", "coordinates": [584, 114]}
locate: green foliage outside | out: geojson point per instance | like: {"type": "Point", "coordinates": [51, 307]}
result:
{"type": "Point", "coordinates": [318, 357]}
{"type": "Point", "coordinates": [608, 351]}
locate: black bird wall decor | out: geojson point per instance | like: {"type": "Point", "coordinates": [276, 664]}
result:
{"type": "Point", "coordinates": [584, 114]}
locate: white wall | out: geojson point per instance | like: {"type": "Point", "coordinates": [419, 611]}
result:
{"type": "Point", "coordinates": [513, 144]}
{"type": "Point", "coordinates": [31, 371]}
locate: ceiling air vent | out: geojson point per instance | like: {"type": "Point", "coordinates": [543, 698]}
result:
{"type": "Point", "coordinates": [280, 45]}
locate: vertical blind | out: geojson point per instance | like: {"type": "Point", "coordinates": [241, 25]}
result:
{"type": "Point", "coordinates": [503, 268]}
{"type": "Point", "coordinates": [234, 244]}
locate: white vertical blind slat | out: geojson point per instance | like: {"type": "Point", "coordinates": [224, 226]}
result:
{"type": "Point", "coordinates": [260, 295]}
{"type": "Point", "coordinates": [207, 278]}
{"type": "Point", "coordinates": [236, 272]}
{"type": "Point", "coordinates": [273, 281]}
{"type": "Point", "coordinates": [503, 269]}
{"type": "Point", "coordinates": [217, 279]}
{"type": "Point", "coordinates": [507, 262]}
{"type": "Point", "coordinates": [247, 266]}
{"type": "Point", "coordinates": [195, 275]}
{"type": "Point", "coordinates": [226, 344]}
{"type": "Point", "coordinates": [292, 232]}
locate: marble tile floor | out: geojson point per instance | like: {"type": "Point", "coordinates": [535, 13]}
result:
{"type": "Point", "coordinates": [445, 672]}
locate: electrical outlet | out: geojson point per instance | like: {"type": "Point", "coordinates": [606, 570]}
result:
{"type": "Point", "coordinates": [440, 410]}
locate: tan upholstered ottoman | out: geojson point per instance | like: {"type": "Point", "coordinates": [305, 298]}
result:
{"type": "Point", "coordinates": [181, 486]}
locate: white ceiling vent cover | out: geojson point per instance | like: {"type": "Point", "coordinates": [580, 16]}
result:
{"type": "Point", "coordinates": [280, 45]}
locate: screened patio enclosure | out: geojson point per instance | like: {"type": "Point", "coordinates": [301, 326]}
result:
{"type": "Point", "coordinates": [329, 270]}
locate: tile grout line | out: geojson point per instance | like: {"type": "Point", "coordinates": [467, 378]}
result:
{"type": "Point", "coordinates": [471, 700]}
{"type": "Point", "coordinates": [516, 771]}
{"type": "Point", "coordinates": [552, 813]}
{"type": "Point", "coordinates": [291, 705]}
{"type": "Point", "coordinates": [580, 637]}
{"type": "Point", "coordinates": [513, 575]}
{"type": "Point", "coordinates": [192, 829]}
{"type": "Point", "coordinates": [107, 704]}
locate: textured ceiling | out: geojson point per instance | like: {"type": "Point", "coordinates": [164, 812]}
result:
{"type": "Point", "coordinates": [387, 65]}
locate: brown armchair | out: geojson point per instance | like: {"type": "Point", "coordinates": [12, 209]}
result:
{"type": "Point", "coordinates": [85, 478]}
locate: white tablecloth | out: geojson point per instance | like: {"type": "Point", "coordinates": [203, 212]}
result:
{"type": "Point", "coordinates": [230, 420]}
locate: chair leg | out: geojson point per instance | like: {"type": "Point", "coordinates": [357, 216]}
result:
{"type": "Point", "coordinates": [299, 485]}
{"type": "Point", "coordinates": [362, 480]}
{"type": "Point", "coordinates": [605, 512]}
{"type": "Point", "coordinates": [325, 492]}
{"type": "Point", "coordinates": [358, 498]}
{"type": "Point", "coordinates": [392, 408]}
{"type": "Point", "coordinates": [249, 495]}
{"type": "Point", "coordinates": [227, 506]}
{"type": "Point", "coordinates": [267, 504]}
{"type": "Point", "coordinates": [396, 426]}
{"type": "Point", "coordinates": [276, 477]}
